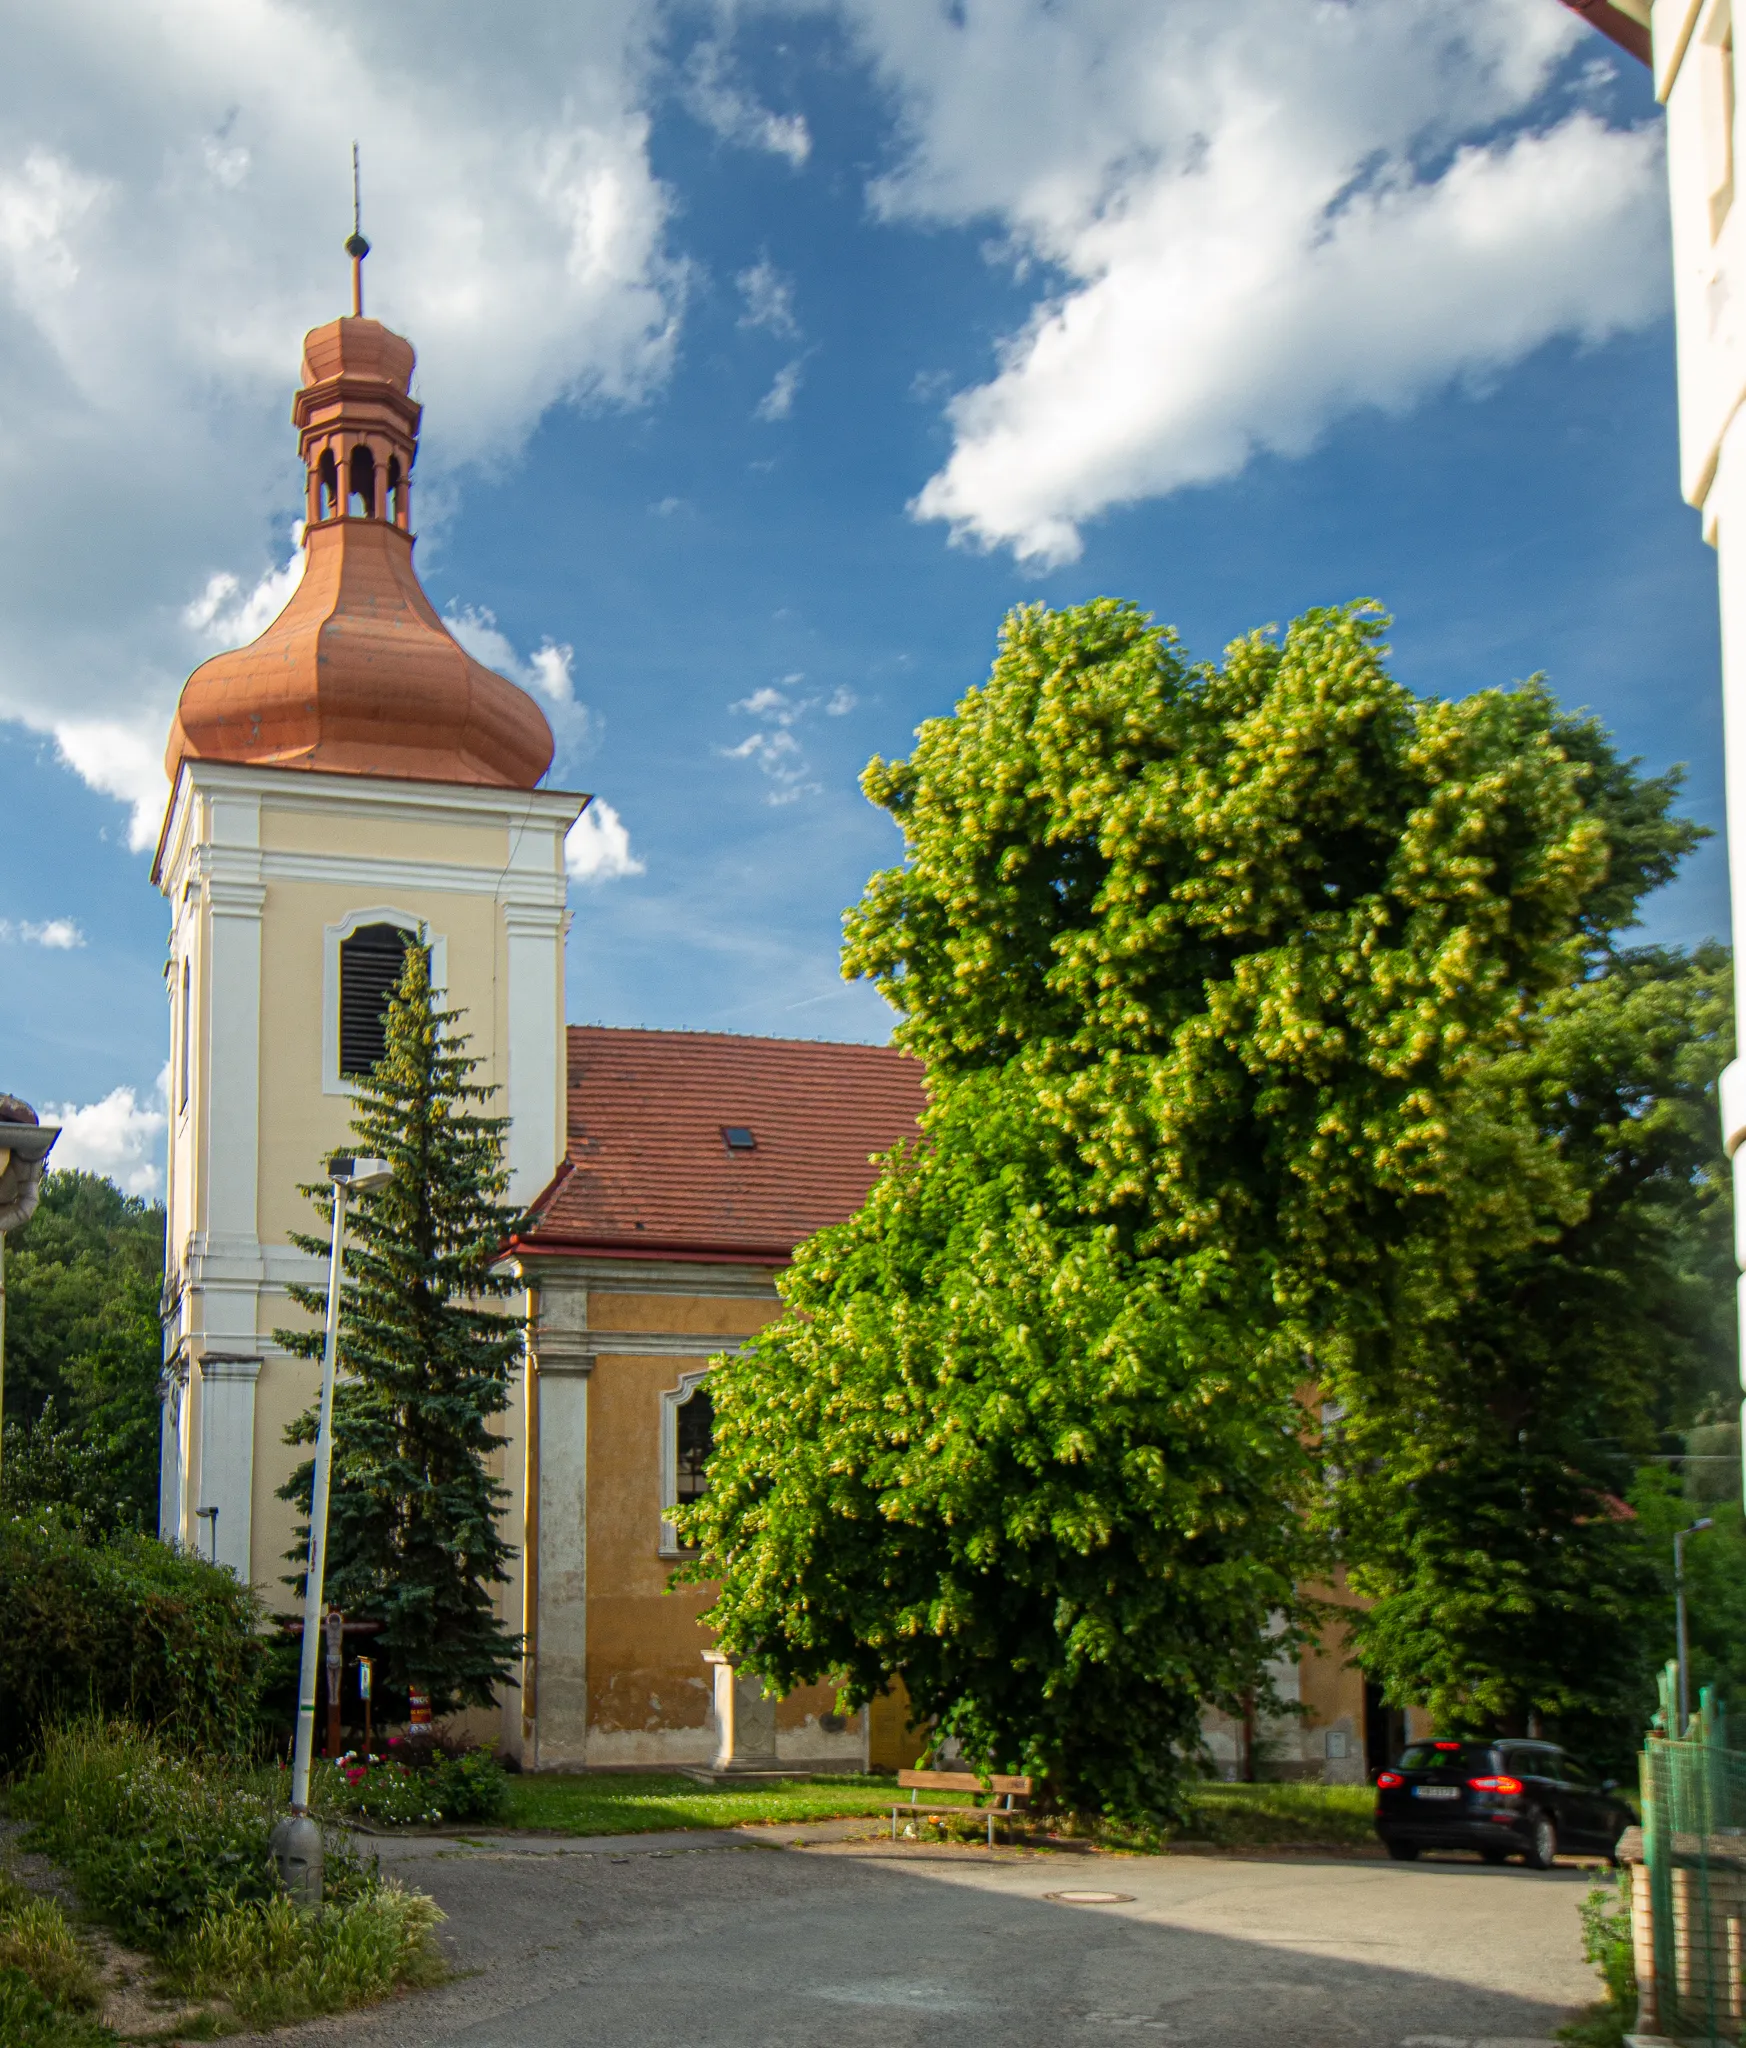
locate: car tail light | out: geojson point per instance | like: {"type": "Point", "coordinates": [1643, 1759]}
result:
{"type": "Point", "coordinates": [1386, 1781]}
{"type": "Point", "coordinates": [1494, 1784]}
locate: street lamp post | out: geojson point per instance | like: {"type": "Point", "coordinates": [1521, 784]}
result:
{"type": "Point", "coordinates": [1684, 1688]}
{"type": "Point", "coordinates": [297, 1839]}
{"type": "Point", "coordinates": [24, 1145]}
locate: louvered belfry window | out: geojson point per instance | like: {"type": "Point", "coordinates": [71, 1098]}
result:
{"type": "Point", "coordinates": [370, 963]}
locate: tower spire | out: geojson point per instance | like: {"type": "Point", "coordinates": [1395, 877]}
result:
{"type": "Point", "coordinates": [356, 247]}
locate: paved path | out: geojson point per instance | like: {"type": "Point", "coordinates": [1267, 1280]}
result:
{"type": "Point", "coordinates": [726, 1940]}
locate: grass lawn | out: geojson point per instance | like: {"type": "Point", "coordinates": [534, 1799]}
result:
{"type": "Point", "coordinates": [1256, 1816]}
{"type": "Point", "coordinates": [615, 1803]}
{"type": "Point", "coordinates": [639, 1802]}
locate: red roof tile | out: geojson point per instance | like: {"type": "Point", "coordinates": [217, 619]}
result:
{"type": "Point", "coordinates": [649, 1174]}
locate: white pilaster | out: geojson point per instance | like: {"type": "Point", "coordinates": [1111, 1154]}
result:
{"type": "Point", "coordinates": [560, 1662]}
{"type": "Point", "coordinates": [175, 1395]}
{"type": "Point", "coordinates": [227, 1458]}
{"type": "Point", "coordinates": [534, 938]}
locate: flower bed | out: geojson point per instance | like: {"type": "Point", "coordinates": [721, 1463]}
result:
{"type": "Point", "coordinates": [417, 1784]}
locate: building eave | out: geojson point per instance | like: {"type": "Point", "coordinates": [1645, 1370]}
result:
{"type": "Point", "coordinates": [678, 1251]}
{"type": "Point", "coordinates": [1618, 21]}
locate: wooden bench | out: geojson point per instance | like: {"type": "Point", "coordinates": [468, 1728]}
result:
{"type": "Point", "coordinates": [1012, 1795]}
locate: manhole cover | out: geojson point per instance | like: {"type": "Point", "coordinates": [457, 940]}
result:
{"type": "Point", "coordinates": [1091, 1898]}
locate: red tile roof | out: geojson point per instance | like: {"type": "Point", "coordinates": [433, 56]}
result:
{"type": "Point", "coordinates": [649, 1174]}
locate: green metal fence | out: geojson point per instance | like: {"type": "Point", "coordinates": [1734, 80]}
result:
{"type": "Point", "coordinates": [1694, 1858]}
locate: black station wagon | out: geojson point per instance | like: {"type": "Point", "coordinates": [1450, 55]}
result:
{"type": "Point", "coordinates": [1500, 1799]}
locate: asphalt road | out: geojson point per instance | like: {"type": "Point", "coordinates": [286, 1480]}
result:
{"type": "Point", "coordinates": [706, 1941]}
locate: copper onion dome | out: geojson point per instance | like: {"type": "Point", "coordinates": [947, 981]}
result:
{"type": "Point", "coordinates": [358, 675]}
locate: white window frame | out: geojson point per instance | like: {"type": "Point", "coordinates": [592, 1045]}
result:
{"type": "Point", "coordinates": [672, 1400]}
{"type": "Point", "coordinates": [333, 937]}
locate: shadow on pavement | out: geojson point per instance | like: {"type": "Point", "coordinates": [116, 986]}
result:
{"type": "Point", "coordinates": [746, 1947]}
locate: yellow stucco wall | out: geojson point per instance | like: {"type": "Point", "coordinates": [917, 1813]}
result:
{"type": "Point", "coordinates": [645, 1648]}
{"type": "Point", "coordinates": [680, 1315]}
{"type": "Point", "coordinates": [894, 1742]}
{"type": "Point", "coordinates": [298, 830]}
{"type": "Point", "coordinates": [649, 1693]}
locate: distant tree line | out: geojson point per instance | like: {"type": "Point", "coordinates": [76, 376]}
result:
{"type": "Point", "coordinates": [84, 1355]}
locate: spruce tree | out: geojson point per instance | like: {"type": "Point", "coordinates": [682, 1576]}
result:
{"type": "Point", "coordinates": [425, 1364]}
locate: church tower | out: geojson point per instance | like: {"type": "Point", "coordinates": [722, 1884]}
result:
{"type": "Point", "coordinates": [351, 776]}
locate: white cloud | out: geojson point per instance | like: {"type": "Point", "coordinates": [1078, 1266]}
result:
{"type": "Point", "coordinates": [118, 1137]}
{"type": "Point", "coordinates": [55, 934]}
{"type": "Point", "coordinates": [771, 703]}
{"type": "Point", "coordinates": [597, 847]}
{"type": "Point", "coordinates": [230, 616]}
{"type": "Point", "coordinates": [769, 298]}
{"type": "Point", "coordinates": [1249, 217]}
{"type": "Point", "coordinates": [780, 755]}
{"type": "Point", "coordinates": [727, 108]}
{"type": "Point", "coordinates": [778, 402]}
{"type": "Point", "coordinates": [545, 675]}
{"type": "Point", "coordinates": [174, 187]}
{"type": "Point", "coordinates": [774, 747]}
{"type": "Point", "coordinates": [124, 758]}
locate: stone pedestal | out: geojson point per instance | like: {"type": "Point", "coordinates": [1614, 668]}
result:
{"type": "Point", "coordinates": [1707, 1892]}
{"type": "Point", "coordinates": [745, 1719]}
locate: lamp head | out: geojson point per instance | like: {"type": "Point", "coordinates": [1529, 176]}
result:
{"type": "Point", "coordinates": [30, 1142]}
{"type": "Point", "coordinates": [1706, 1523]}
{"type": "Point", "coordinates": [358, 1176]}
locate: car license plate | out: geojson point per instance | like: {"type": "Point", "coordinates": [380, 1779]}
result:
{"type": "Point", "coordinates": [1436, 1791]}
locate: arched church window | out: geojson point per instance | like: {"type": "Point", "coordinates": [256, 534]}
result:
{"type": "Point", "coordinates": [695, 1424]}
{"type": "Point", "coordinates": [370, 964]}
{"type": "Point", "coordinates": [361, 493]}
{"type": "Point", "coordinates": [327, 479]}
{"type": "Point", "coordinates": [396, 496]}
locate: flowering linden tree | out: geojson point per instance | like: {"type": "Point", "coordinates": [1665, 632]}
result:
{"type": "Point", "coordinates": [1211, 966]}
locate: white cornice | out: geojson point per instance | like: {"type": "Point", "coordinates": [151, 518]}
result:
{"type": "Point", "coordinates": [536, 818]}
{"type": "Point", "coordinates": [631, 1344]}
{"type": "Point", "coordinates": [306, 789]}
{"type": "Point", "coordinates": [232, 896]}
{"type": "Point", "coordinates": [540, 891]}
{"type": "Point", "coordinates": [645, 1276]}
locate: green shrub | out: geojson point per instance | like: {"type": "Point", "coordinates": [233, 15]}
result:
{"type": "Point", "coordinates": [174, 1854]}
{"type": "Point", "coordinates": [29, 2020]}
{"type": "Point", "coordinates": [151, 1839]}
{"type": "Point", "coordinates": [124, 1626]}
{"type": "Point", "coordinates": [35, 1939]}
{"type": "Point", "coordinates": [1606, 1942]}
{"type": "Point", "coordinates": [276, 1964]}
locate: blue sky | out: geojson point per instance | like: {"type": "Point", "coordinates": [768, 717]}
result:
{"type": "Point", "coordinates": [693, 459]}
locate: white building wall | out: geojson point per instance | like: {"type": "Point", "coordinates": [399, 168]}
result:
{"type": "Point", "coordinates": [1696, 75]}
